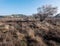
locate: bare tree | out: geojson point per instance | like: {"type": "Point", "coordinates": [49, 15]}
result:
{"type": "Point", "coordinates": [46, 10]}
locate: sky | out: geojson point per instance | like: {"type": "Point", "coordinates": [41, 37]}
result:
{"type": "Point", "coordinates": [27, 7]}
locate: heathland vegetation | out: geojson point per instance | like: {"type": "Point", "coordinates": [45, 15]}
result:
{"type": "Point", "coordinates": [40, 29]}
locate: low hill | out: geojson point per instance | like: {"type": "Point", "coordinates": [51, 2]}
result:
{"type": "Point", "coordinates": [57, 16]}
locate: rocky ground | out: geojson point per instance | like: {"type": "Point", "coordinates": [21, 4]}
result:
{"type": "Point", "coordinates": [35, 33]}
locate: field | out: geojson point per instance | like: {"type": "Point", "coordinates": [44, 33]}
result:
{"type": "Point", "coordinates": [29, 32]}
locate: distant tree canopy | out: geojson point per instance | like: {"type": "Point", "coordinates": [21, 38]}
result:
{"type": "Point", "coordinates": [45, 11]}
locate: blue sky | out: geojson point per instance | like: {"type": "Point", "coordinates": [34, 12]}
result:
{"type": "Point", "coordinates": [27, 7]}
